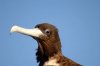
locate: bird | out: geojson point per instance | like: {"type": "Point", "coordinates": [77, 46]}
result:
{"type": "Point", "coordinates": [49, 51]}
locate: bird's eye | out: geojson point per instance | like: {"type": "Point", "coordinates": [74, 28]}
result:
{"type": "Point", "coordinates": [47, 31]}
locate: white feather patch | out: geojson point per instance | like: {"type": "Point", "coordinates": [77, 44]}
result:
{"type": "Point", "coordinates": [51, 62]}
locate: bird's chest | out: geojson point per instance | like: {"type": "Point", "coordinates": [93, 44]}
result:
{"type": "Point", "coordinates": [51, 62]}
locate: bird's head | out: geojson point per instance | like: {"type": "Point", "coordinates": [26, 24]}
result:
{"type": "Point", "coordinates": [45, 34]}
{"type": "Point", "coordinates": [48, 32]}
{"type": "Point", "coordinates": [41, 32]}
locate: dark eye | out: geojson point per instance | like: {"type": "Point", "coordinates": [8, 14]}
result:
{"type": "Point", "coordinates": [47, 31]}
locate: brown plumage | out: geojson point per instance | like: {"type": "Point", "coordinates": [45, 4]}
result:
{"type": "Point", "coordinates": [49, 46]}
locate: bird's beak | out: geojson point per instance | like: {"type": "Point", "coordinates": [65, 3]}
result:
{"type": "Point", "coordinates": [36, 32]}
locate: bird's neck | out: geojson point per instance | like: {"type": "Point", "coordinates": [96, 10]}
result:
{"type": "Point", "coordinates": [54, 60]}
{"type": "Point", "coordinates": [46, 50]}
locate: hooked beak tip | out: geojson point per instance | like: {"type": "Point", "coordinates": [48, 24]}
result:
{"type": "Point", "coordinates": [14, 28]}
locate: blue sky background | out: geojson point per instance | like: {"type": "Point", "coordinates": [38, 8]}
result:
{"type": "Point", "coordinates": [78, 22]}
